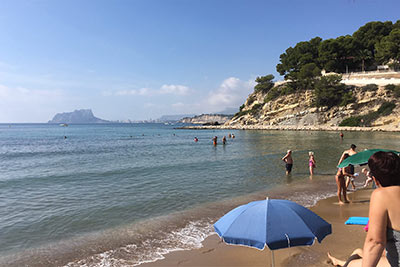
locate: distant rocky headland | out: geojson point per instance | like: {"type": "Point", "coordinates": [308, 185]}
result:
{"type": "Point", "coordinates": [77, 116]}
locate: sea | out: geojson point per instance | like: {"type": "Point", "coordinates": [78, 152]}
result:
{"type": "Point", "coordinates": [126, 194]}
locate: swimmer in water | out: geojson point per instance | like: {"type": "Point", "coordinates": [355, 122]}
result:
{"type": "Point", "coordinates": [215, 140]}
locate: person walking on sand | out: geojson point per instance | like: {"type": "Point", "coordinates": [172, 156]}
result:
{"type": "Point", "coordinates": [352, 151]}
{"type": "Point", "coordinates": [341, 183]}
{"type": "Point", "coordinates": [311, 162]}
{"type": "Point", "coordinates": [289, 161]}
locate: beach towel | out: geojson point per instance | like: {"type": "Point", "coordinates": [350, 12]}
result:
{"type": "Point", "coordinates": [357, 220]}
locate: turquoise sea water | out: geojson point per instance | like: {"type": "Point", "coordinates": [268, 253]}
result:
{"type": "Point", "coordinates": [123, 194]}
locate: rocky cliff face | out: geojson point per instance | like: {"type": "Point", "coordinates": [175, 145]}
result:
{"type": "Point", "coordinates": [77, 116]}
{"type": "Point", "coordinates": [207, 118]}
{"type": "Point", "coordinates": [298, 110]}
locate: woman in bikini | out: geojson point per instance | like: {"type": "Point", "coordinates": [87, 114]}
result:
{"type": "Point", "coordinates": [384, 215]}
{"type": "Point", "coordinates": [341, 181]}
{"type": "Point", "coordinates": [311, 162]}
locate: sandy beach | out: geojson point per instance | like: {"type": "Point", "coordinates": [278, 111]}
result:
{"type": "Point", "coordinates": [343, 240]}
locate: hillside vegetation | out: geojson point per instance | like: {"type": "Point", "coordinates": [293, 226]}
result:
{"type": "Point", "coordinates": [307, 97]}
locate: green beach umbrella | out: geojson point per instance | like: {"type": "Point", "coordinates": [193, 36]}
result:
{"type": "Point", "coordinates": [362, 157]}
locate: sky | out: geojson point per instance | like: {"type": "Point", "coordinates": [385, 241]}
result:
{"type": "Point", "coordinates": [141, 59]}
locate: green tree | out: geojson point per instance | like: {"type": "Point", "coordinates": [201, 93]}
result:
{"type": "Point", "coordinates": [368, 36]}
{"type": "Point", "coordinates": [364, 55]}
{"type": "Point", "coordinates": [307, 76]}
{"type": "Point", "coordinates": [389, 47]}
{"type": "Point", "coordinates": [295, 58]}
{"type": "Point", "coordinates": [329, 91]}
{"type": "Point", "coordinates": [264, 83]}
{"type": "Point", "coordinates": [338, 55]}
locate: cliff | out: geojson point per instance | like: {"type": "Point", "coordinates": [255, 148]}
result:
{"type": "Point", "coordinates": [77, 116]}
{"type": "Point", "coordinates": [207, 118]}
{"type": "Point", "coordinates": [298, 110]}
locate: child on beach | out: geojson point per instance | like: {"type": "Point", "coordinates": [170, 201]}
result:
{"type": "Point", "coordinates": [350, 180]}
{"type": "Point", "coordinates": [311, 162]}
{"type": "Point", "coordinates": [368, 175]}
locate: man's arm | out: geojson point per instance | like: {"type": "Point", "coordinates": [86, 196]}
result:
{"type": "Point", "coordinates": [341, 158]}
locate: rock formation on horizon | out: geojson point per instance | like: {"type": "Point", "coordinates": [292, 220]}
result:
{"type": "Point", "coordinates": [77, 116]}
{"type": "Point", "coordinates": [207, 118]}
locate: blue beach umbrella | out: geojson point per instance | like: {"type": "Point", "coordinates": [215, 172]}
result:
{"type": "Point", "coordinates": [274, 223]}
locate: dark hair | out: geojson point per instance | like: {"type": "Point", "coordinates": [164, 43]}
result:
{"type": "Point", "coordinates": [353, 146]}
{"type": "Point", "coordinates": [385, 167]}
{"type": "Point", "coordinates": [345, 156]}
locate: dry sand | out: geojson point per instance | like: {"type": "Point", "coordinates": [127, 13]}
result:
{"type": "Point", "coordinates": [343, 240]}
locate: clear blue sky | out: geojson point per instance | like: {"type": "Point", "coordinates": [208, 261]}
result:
{"type": "Point", "coordinates": [140, 59]}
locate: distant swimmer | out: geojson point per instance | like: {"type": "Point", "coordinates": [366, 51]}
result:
{"type": "Point", "coordinates": [233, 136]}
{"type": "Point", "coordinates": [196, 139]}
{"type": "Point", "coordinates": [224, 140]}
{"type": "Point", "coordinates": [65, 137]}
{"type": "Point", "coordinates": [289, 161]}
{"type": "Point", "coordinates": [341, 135]}
{"type": "Point", "coordinates": [215, 140]}
{"type": "Point", "coordinates": [229, 136]}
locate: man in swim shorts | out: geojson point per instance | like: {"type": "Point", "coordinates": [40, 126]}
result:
{"type": "Point", "coordinates": [289, 161]}
{"type": "Point", "coordinates": [351, 152]}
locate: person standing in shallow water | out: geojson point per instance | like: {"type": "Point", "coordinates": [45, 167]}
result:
{"type": "Point", "coordinates": [311, 162]}
{"type": "Point", "coordinates": [215, 140]}
{"type": "Point", "coordinates": [289, 161]}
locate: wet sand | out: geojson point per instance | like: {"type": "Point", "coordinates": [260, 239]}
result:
{"type": "Point", "coordinates": [343, 240]}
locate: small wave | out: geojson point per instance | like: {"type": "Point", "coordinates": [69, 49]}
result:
{"type": "Point", "coordinates": [189, 237]}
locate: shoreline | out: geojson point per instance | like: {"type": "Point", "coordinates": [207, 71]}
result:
{"type": "Point", "coordinates": [343, 240]}
{"type": "Point", "coordinates": [291, 128]}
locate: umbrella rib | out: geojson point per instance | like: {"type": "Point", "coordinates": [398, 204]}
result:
{"type": "Point", "coordinates": [309, 228]}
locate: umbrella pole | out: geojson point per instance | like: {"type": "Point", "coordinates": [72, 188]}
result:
{"type": "Point", "coordinates": [272, 259]}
